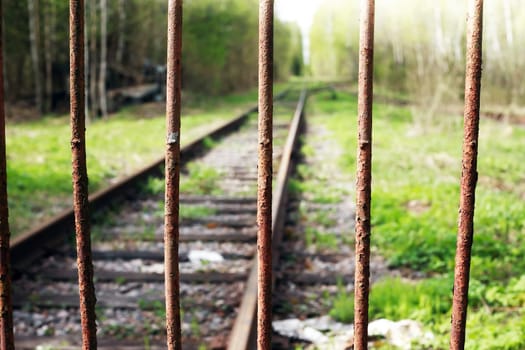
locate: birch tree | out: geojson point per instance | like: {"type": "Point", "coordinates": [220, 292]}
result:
{"type": "Point", "coordinates": [121, 32]}
{"type": "Point", "coordinates": [93, 32]}
{"type": "Point", "coordinates": [49, 41]}
{"type": "Point", "coordinates": [103, 57]}
{"type": "Point", "coordinates": [34, 40]}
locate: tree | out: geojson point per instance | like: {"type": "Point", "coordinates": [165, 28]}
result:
{"type": "Point", "coordinates": [103, 57]}
{"type": "Point", "coordinates": [34, 38]}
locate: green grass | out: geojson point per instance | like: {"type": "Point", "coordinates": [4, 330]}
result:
{"type": "Point", "coordinates": [201, 179]}
{"type": "Point", "coordinates": [196, 211]}
{"type": "Point", "coordinates": [39, 155]}
{"type": "Point", "coordinates": [415, 199]}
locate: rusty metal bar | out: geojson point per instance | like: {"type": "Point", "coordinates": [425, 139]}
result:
{"type": "Point", "coordinates": [6, 306]}
{"type": "Point", "coordinates": [80, 178]}
{"type": "Point", "coordinates": [364, 174]}
{"type": "Point", "coordinates": [171, 219]}
{"type": "Point", "coordinates": [469, 175]}
{"type": "Point", "coordinates": [264, 177]}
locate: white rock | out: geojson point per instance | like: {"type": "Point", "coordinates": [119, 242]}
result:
{"type": "Point", "coordinates": [401, 333]}
{"type": "Point", "coordinates": [288, 328]}
{"type": "Point", "coordinates": [380, 327]}
{"type": "Point", "coordinates": [200, 256]}
{"type": "Point", "coordinates": [313, 335]}
{"type": "Point", "coordinates": [310, 330]}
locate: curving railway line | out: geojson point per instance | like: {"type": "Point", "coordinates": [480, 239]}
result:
{"type": "Point", "coordinates": [217, 249]}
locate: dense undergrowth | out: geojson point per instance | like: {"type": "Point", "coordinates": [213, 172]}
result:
{"type": "Point", "coordinates": [415, 200]}
{"type": "Point", "coordinates": [39, 155]}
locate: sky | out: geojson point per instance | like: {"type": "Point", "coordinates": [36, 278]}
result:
{"type": "Point", "coordinates": [302, 12]}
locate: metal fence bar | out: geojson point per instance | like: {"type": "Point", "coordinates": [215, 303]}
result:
{"type": "Point", "coordinates": [469, 175]}
{"type": "Point", "coordinates": [364, 174]}
{"type": "Point", "coordinates": [264, 177]}
{"type": "Point", "coordinates": [6, 307]}
{"type": "Point", "coordinates": [171, 220]}
{"type": "Point", "coordinates": [80, 179]}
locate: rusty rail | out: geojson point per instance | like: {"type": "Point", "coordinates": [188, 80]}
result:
{"type": "Point", "coordinates": [34, 243]}
{"type": "Point", "coordinates": [469, 175]}
{"type": "Point", "coordinates": [364, 175]}
{"type": "Point", "coordinates": [80, 180]}
{"type": "Point", "coordinates": [171, 221]}
{"type": "Point", "coordinates": [264, 181]}
{"type": "Point", "coordinates": [6, 306]}
{"type": "Point", "coordinates": [243, 335]}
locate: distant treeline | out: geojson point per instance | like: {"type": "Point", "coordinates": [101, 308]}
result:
{"type": "Point", "coordinates": [420, 48]}
{"type": "Point", "coordinates": [126, 44]}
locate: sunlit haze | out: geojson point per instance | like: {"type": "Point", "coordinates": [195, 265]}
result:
{"type": "Point", "coordinates": [301, 12]}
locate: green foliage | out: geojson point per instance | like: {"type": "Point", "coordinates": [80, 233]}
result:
{"type": "Point", "coordinates": [394, 299]}
{"type": "Point", "coordinates": [154, 185]}
{"type": "Point", "coordinates": [420, 50]}
{"type": "Point", "coordinates": [343, 305]}
{"type": "Point", "coordinates": [39, 154]}
{"type": "Point", "coordinates": [415, 198]}
{"type": "Point", "coordinates": [201, 179]}
{"type": "Point", "coordinates": [195, 211]}
{"type": "Point", "coordinates": [219, 51]}
{"type": "Point", "coordinates": [209, 143]}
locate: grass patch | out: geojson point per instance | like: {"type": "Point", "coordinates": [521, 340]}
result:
{"type": "Point", "coordinates": [201, 179]}
{"type": "Point", "coordinates": [195, 211]}
{"type": "Point", "coordinates": [39, 153]}
{"type": "Point", "coordinates": [411, 165]}
{"type": "Point", "coordinates": [394, 299]}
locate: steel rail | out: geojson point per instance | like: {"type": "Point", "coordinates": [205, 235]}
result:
{"type": "Point", "coordinates": [364, 175]}
{"type": "Point", "coordinates": [469, 174]}
{"type": "Point", "coordinates": [6, 307]}
{"type": "Point", "coordinates": [35, 243]}
{"type": "Point", "coordinates": [172, 165]}
{"type": "Point", "coordinates": [243, 335]}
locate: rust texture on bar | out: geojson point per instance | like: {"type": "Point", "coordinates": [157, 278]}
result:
{"type": "Point", "coordinates": [264, 177]}
{"type": "Point", "coordinates": [80, 178]}
{"type": "Point", "coordinates": [6, 308]}
{"type": "Point", "coordinates": [171, 219]}
{"type": "Point", "coordinates": [364, 174]}
{"type": "Point", "coordinates": [469, 174]}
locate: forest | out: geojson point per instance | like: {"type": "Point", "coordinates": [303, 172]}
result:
{"type": "Point", "coordinates": [126, 45]}
{"type": "Point", "coordinates": [420, 51]}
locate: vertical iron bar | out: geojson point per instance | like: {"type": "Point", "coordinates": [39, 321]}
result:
{"type": "Point", "coordinates": [6, 308]}
{"type": "Point", "coordinates": [171, 232]}
{"type": "Point", "coordinates": [264, 177]}
{"type": "Point", "coordinates": [469, 175]}
{"type": "Point", "coordinates": [364, 174]}
{"type": "Point", "coordinates": [80, 179]}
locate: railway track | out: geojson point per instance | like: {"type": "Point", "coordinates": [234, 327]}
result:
{"type": "Point", "coordinates": [218, 234]}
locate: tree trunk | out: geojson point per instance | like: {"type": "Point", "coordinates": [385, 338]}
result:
{"type": "Point", "coordinates": [34, 39]}
{"type": "Point", "coordinates": [103, 57]}
{"type": "Point", "coordinates": [86, 67]}
{"type": "Point", "coordinates": [49, 42]}
{"type": "Point", "coordinates": [121, 32]}
{"type": "Point", "coordinates": [92, 58]}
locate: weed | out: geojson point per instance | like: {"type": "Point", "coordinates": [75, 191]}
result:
{"type": "Point", "coordinates": [195, 327]}
{"type": "Point", "coordinates": [201, 180]}
{"type": "Point", "coordinates": [343, 306]}
{"type": "Point", "coordinates": [120, 280]}
{"type": "Point", "coordinates": [154, 185]}
{"type": "Point", "coordinates": [322, 217]}
{"type": "Point", "coordinates": [326, 240]}
{"type": "Point", "coordinates": [209, 143]}
{"type": "Point", "coordinates": [195, 211]}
